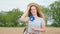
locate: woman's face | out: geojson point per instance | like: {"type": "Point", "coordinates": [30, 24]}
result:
{"type": "Point", "coordinates": [33, 10]}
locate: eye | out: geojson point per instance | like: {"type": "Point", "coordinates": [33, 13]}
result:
{"type": "Point", "coordinates": [33, 8]}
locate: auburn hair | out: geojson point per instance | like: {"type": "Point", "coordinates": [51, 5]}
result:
{"type": "Point", "coordinates": [39, 12]}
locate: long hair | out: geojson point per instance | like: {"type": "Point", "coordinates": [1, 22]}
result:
{"type": "Point", "coordinates": [39, 12]}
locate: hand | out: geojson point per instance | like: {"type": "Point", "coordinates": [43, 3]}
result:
{"type": "Point", "coordinates": [28, 7]}
{"type": "Point", "coordinates": [34, 28]}
{"type": "Point", "coordinates": [27, 10]}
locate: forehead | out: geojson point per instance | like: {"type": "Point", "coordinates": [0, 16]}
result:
{"type": "Point", "coordinates": [33, 7]}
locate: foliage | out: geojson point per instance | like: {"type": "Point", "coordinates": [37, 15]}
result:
{"type": "Point", "coordinates": [55, 13]}
{"type": "Point", "coordinates": [10, 18]}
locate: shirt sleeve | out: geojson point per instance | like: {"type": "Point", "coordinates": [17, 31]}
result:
{"type": "Point", "coordinates": [43, 22]}
{"type": "Point", "coordinates": [27, 19]}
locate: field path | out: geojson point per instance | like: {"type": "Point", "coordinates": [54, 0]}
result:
{"type": "Point", "coordinates": [19, 30]}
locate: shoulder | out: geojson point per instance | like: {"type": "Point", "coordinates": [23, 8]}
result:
{"type": "Point", "coordinates": [40, 18]}
{"type": "Point", "coordinates": [27, 17]}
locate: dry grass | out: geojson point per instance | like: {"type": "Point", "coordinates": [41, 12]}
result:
{"type": "Point", "coordinates": [19, 30]}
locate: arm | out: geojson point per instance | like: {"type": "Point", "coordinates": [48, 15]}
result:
{"type": "Point", "coordinates": [23, 17]}
{"type": "Point", "coordinates": [43, 29]}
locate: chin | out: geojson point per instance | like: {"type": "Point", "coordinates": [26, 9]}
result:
{"type": "Point", "coordinates": [34, 14]}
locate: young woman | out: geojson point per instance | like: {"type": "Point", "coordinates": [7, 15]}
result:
{"type": "Point", "coordinates": [35, 19]}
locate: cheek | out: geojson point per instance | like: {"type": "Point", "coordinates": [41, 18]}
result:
{"type": "Point", "coordinates": [33, 11]}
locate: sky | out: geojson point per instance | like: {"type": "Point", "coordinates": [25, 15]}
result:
{"type": "Point", "coordinates": [7, 5]}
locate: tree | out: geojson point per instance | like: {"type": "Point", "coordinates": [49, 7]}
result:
{"type": "Point", "coordinates": [55, 13]}
{"type": "Point", "coordinates": [9, 18]}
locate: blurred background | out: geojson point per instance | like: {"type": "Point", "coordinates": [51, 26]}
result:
{"type": "Point", "coordinates": [12, 10]}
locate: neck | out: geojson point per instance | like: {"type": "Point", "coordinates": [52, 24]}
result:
{"type": "Point", "coordinates": [35, 15]}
